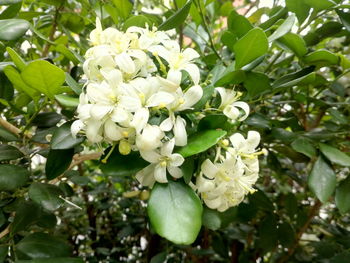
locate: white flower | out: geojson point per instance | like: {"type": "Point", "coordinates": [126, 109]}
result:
{"type": "Point", "coordinates": [150, 138]}
{"type": "Point", "coordinates": [231, 106]}
{"type": "Point", "coordinates": [162, 160]}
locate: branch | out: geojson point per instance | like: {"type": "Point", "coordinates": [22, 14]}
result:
{"type": "Point", "coordinates": [8, 126]}
{"type": "Point", "coordinates": [5, 232]}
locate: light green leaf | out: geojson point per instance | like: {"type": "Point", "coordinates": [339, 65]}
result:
{"type": "Point", "coordinates": [67, 53]}
{"type": "Point", "coordinates": [9, 2]}
{"type": "Point", "coordinates": [320, 4]}
{"type": "Point", "coordinates": [200, 142]}
{"type": "Point", "coordinates": [335, 155]}
{"type": "Point", "coordinates": [67, 101]}
{"type": "Point", "coordinates": [304, 146]}
{"type": "Point", "coordinates": [46, 195]}
{"type": "Point", "coordinates": [299, 8]}
{"type": "Point", "coordinates": [238, 24]}
{"type": "Point", "coordinates": [293, 42]}
{"type": "Point", "coordinates": [251, 46]}
{"type": "Point", "coordinates": [175, 212]}
{"type": "Point", "coordinates": [8, 152]}
{"type": "Point", "coordinates": [123, 7]}
{"type": "Point", "coordinates": [322, 180]}
{"type": "Point", "coordinates": [19, 62]}
{"type": "Point", "coordinates": [283, 29]}
{"type": "Point", "coordinates": [322, 58]}
{"type": "Point", "coordinates": [62, 138]}
{"type": "Point", "coordinates": [177, 18]}
{"type": "Point", "coordinates": [12, 177]}
{"type": "Point", "coordinates": [41, 245]}
{"type": "Point", "coordinates": [44, 77]}
{"type": "Point", "coordinates": [139, 21]}
{"type": "Point", "coordinates": [12, 29]}
{"type": "Point", "coordinates": [342, 196]}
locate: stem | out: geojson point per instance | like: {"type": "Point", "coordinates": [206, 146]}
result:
{"type": "Point", "coordinates": [5, 232]}
{"type": "Point", "coordinates": [8, 126]}
{"type": "Point", "coordinates": [52, 32]}
{"type": "Point", "coordinates": [273, 61]}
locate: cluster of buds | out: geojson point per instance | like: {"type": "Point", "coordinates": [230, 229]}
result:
{"type": "Point", "coordinates": [136, 75]}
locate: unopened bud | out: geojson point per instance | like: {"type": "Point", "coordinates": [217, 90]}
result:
{"type": "Point", "coordinates": [124, 147]}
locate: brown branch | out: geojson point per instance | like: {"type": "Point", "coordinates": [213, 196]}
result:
{"type": "Point", "coordinates": [5, 232]}
{"type": "Point", "coordinates": [314, 210]}
{"type": "Point", "coordinates": [52, 32]}
{"type": "Point", "coordinates": [8, 126]}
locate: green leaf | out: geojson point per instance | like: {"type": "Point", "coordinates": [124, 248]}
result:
{"type": "Point", "coordinates": [73, 84]}
{"type": "Point", "coordinates": [283, 29]}
{"type": "Point", "coordinates": [68, 54]}
{"type": "Point", "coordinates": [122, 165]}
{"type": "Point", "coordinates": [27, 214]}
{"type": "Point", "coordinates": [52, 260]}
{"type": "Point", "coordinates": [67, 101]}
{"type": "Point", "coordinates": [211, 218]}
{"type": "Point", "coordinates": [123, 7]}
{"type": "Point", "coordinates": [321, 58]}
{"type": "Point", "coordinates": [12, 177]}
{"type": "Point", "coordinates": [3, 252]}
{"type": "Point", "coordinates": [9, 2]}
{"type": "Point", "coordinates": [304, 146]}
{"type": "Point", "coordinates": [200, 142]}
{"type": "Point", "coordinates": [342, 196]}
{"type": "Point", "coordinates": [293, 78]}
{"type": "Point", "coordinates": [175, 212]}
{"type": "Point", "coordinates": [41, 245]}
{"type": "Point", "coordinates": [207, 94]}
{"type": "Point", "coordinates": [177, 18]}
{"type": "Point", "coordinates": [139, 21]}
{"type": "Point", "coordinates": [328, 29]}
{"type": "Point", "coordinates": [72, 21]}
{"type": "Point", "coordinates": [44, 77]}
{"type": "Point", "coordinates": [299, 8]}
{"type": "Point", "coordinates": [58, 162]}
{"type": "Point", "coordinates": [47, 119]}
{"type": "Point", "coordinates": [19, 62]}
{"type": "Point", "coordinates": [322, 180]}
{"type": "Point", "coordinates": [256, 84]}
{"type": "Point", "coordinates": [251, 46]}
{"type": "Point", "coordinates": [11, 11]}
{"type": "Point", "coordinates": [214, 121]}
{"type": "Point", "coordinates": [12, 29]}
{"type": "Point", "coordinates": [335, 155]}
{"type": "Point", "coordinates": [187, 169]}
{"type": "Point", "coordinates": [319, 5]}
{"type": "Point", "coordinates": [7, 136]}
{"type": "Point", "coordinates": [46, 195]}
{"type": "Point", "coordinates": [238, 24]}
{"type": "Point", "coordinates": [8, 152]}
{"type": "Point", "coordinates": [293, 42]}
{"type": "Point", "coordinates": [344, 18]}
{"type": "Point", "coordinates": [281, 13]}
{"type": "Point", "coordinates": [230, 76]}
{"type": "Point", "coordinates": [62, 138]}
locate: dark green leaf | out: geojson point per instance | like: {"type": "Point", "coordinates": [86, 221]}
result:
{"type": "Point", "coordinates": [12, 177]}
{"type": "Point", "coordinates": [201, 141]}
{"type": "Point", "coordinates": [8, 152]}
{"type": "Point", "coordinates": [46, 195]}
{"type": "Point", "coordinates": [177, 18]}
{"type": "Point", "coordinates": [304, 146]}
{"type": "Point", "coordinates": [293, 78]}
{"type": "Point", "coordinates": [41, 245]}
{"type": "Point", "coordinates": [73, 84]}
{"type": "Point", "coordinates": [281, 13]}
{"type": "Point", "coordinates": [344, 18]}
{"type": "Point", "coordinates": [3, 252]}
{"type": "Point", "coordinates": [342, 196]}
{"type": "Point", "coordinates": [322, 180]}
{"type": "Point", "coordinates": [12, 29]}
{"type": "Point", "coordinates": [9, 2]}
{"type": "Point", "coordinates": [214, 121]}
{"type": "Point", "coordinates": [58, 162]}
{"type": "Point", "coordinates": [299, 8]}
{"type": "Point", "coordinates": [328, 29]}
{"type": "Point", "coordinates": [256, 84]}
{"type": "Point", "coordinates": [11, 11]}
{"type": "Point", "coordinates": [175, 212]}
{"type": "Point", "coordinates": [62, 138]}
{"type": "Point", "coordinates": [47, 119]}
{"type": "Point", "coordinates": [230, 76]}
{"type": "Point", "coordinates": [27, 214]}
{"type": "Point", "coordinates": [321, 58]}
{"type": "Point", "coordinates": [293, 42]}
{"type": "Point", "coordinates": [187, 169]}
{"type": "Point", "coordinates": [335, 155]}
{"type": "Point", "coordinates": [211, 218]}
{"type": "Point", "coordinates": [251, 46]}
{"type": "Point", "coordinates": [52, 260]}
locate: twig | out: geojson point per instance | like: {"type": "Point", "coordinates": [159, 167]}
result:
{"type": "Point", "coordinates": [52, 32]}
{"type": "Point", "coordinates": [8, 126]}
{"type": "Point", "coordinates": [273, 61]}
{"type": "Point", "coordinates": [5, 232]}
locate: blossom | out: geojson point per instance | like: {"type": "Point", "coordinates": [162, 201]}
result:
{"type": "Point", "coordinates": [230, 106]}
{"type": "Point", "coordinates": [161, 161]}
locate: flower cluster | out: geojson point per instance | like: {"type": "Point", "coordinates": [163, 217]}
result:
{"type": "Point", "coordinates": [137, 75]}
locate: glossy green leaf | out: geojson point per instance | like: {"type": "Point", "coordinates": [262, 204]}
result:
{"type": "Point", "coordinates": [304, 146]}
{"type": "Point", "coordinates": [12, 29]}
{"type": "Point", "coordinates": [19, 62]}
{"type": "Point", "coordinates": [321, 57]}
{"type": "Point", "coordinates": [320, 4]}
{"type": "Point", "coordinates": [123, 7]}
{"type": "Point", "coordinates": [344, 18]}
{"type": "Point", "coordinates": [200, 142]}
{"type": "Point", "coordinates": [177, 18]}
{"type": "Point", "coordinates": [256, 84]}
{"type": "Point", "coordinates": [342, 196]}
{"type": "Point", "coordinates": [175, 212]}
{"type": "Point", "coordinates": [208, 92]}
{"type": "Point", "coordinates": [62, 138]}
{"type": "Point", "coordinates": [238, 24]}
{"type": "Point", "coordinates": [73, 84]}
{"type": "Point", "coordinates": [46, 195]}
{"type": "Point", "coordinates": [68, 53]}
{"type": "Point", "coordinates": [67, 101]}
{"type": "Point", "coordinates": [322, 180]}
{"type": "Point", "coordinates": [58, 162]}
{"type": "Point", "coordinates": [328, 29]}
{"type": "Point", "coordinates": [293, 78]}
{"type": "Point", "coordinates": [293, 42]}
{"type": "Point", "coordinates": [211, 219]}
{"type": "Point", "coordinates": [27, 213]}
{"type": "Point", "coordinates": [41, 245]}
{"type": "Point", "coordinates": [251, 46]}
{"type": "Point", "coordinates": [299, 8]}
{"type": "Point", "coordinates": [283, 29]}
{"type": "Point", "coordinates": [139, 21]}
{"type": "Point", "coordinates": [44, 77]}
{"type": "Point", "coordinates": [214, 121]}
{"type": "Point", "coordinates": [230, 76]}
{"type": "Point", "coordinates": [12, 177]}
{"type": "Point", "coordinates": [8, 152]}
{"type": "Point", "coordinates": [123, 165]}
{"type": "Point", "coordinates": [47, 119]}
{"type": "Point", "coordinates": [72, 21]}
{"type": "Point", "coordinates": [52, 260]}
{"type": "Point", "coordinates": [335, 155]}
{"type": "Point", "coordinates": [281, 13]}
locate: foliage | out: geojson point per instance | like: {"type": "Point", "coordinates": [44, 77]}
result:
{"type": "Point", "coordinates": [60, 203]}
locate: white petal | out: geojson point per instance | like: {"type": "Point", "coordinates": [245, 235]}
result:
{"type": "Point", "coordinates": [191, 97]}
{"type": "Point", "coordinates": [193, 71]}
{"type": "Point", "coordinates": [175, 172]}
{"type": "Point", "coordinates": [113, 76]}
{"type": "Point", "coordinates": [190, 54]}
{"type": "Point", "coordinates": [111, 131]}
{"type": "Point", "coordinates": [231, 112]}
{"type": "Point", "coordinates": [237, 140]}
{"type": "Point", "coordinates": [176, 160]}
{"type": "Point", "coordinates": [167, 148]}
{"type": "Point", "coordinates": [99, 111]}
{"type": "Point", "coordinates": [119, 115]}
{"type": "Point", "coordinates": [76, 127]}
{"type": "Point", "coordinates": [150, 156]}
{"type": "Point", "coordinates": [145, 176]}
{"type": "Point", "coordinates": [93, 131]}
{"type": "Point", "coordinates": [125, 63]}
{"type": "Point", "coordinates": [180, 133]}
{"type": "Point", "coordinates": [209, 169]}
{"type": "Point", "coordinates": [160, 174]}
{"type": "Point", "coordinates": [174, 76]}
{"type": "Point", "coordinates": [213, 203]}
{"type": "Point", "coordinates": [253, 139]}
{"type": "Point", "coordinates": [244, 106]}
{"type": "Point", "coordinates": [167, 124]}
{"type": "Point", "coordinates": [130, 103]}
{"type": "Point", "coordinates": [150, 138]}
{"type": "Point", "coordinates": [140, 119]}
{"type": "Point", "coordinates": [159, 99]}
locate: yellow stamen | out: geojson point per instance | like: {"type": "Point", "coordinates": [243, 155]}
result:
{"type": "Point", "coordinates": [125, 134]}
{"type": "Point", "coordinates": [162, 105]}
{"type": "Point", "coordinates": [163, 163]}
{"type": "Point", "coordinates": [181, 101]}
